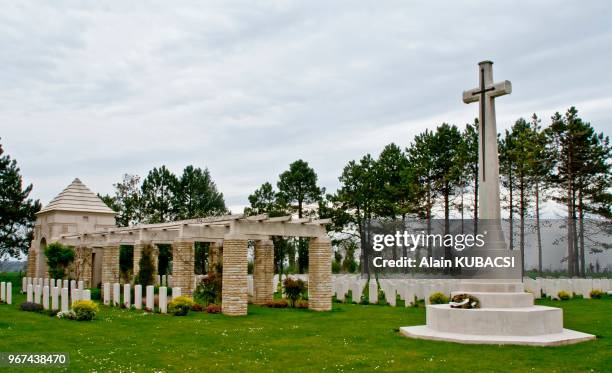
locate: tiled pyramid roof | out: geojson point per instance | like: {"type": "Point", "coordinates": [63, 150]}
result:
{"type": "Point", "coordinates": [77, 197]}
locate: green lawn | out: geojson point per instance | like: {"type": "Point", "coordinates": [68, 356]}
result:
{"type": "Point", "coordinates": [351, 337]}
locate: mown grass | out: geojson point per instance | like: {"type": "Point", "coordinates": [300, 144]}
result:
{"type": "Point", "coordinates": [350, 338]}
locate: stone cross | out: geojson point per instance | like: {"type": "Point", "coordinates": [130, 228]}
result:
{"type": "Point", "coordinates": [488, 160]}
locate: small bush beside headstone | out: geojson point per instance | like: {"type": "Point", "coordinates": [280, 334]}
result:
{"type": "Point", "coordinates": [84, 310]}
{"type": "Point", "coordinates": [564, 295]}
{"type": "Point", "coordinates": [596, 294]}
{"type": "Point", "coordinates": [294, 289]}
{"type": "Point", "coordinates": [180, 306]}
{"type": "Point", "coordinates": [213, 308]}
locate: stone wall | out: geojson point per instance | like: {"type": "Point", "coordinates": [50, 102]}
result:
{"type": "Point", "coordinates": [183, 266]}
{"type": "Point", "coordinates": [234, 297]}
{"type": "Point", "coordinates": [263, 272]}
{"type": "Point", "coordinates": [319, 274]}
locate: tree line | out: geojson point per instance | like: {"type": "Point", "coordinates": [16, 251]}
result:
{"type": "Point", "coordinates": [436, 176]}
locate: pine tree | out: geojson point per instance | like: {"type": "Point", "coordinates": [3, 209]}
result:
{"type": "Point", "coordinates": [17, 211]}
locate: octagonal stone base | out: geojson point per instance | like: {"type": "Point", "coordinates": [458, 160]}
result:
{"type": "Point", "coordinates": [566, 337]}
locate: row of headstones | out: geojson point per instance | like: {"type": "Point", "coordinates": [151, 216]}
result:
{"type": "Point", "coordinates": [163, 280]}
{"type": "Point", "coordinates": [50, 282]}
{"type": "Point", "coordinates": [408, 290]}
{"type": "Point", "coordinates": [114, 298]}
{"type": "Point", "coordinates": [6, 292]}
{"type": "Point", "coordinates": [551, 287]}
{"type": "Point", "coordinates": [55, 297]}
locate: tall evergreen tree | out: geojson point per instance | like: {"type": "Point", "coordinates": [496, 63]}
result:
{"type": "Point", "coordinates": [160, 196]}
{"type": "Point", "coordinates": [17, 211]}
{"type": "Point", "coordinates": [198, 194]}
{"type": "Point", "coordinates": [298, 187]}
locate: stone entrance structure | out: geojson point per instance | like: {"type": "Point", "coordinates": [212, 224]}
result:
{"type": "Point", "coordinates": [229, 237]}
{"type": "Point", "coordinates": [507, 314]}
{"type": "Point", "coordinates": [75, 210]}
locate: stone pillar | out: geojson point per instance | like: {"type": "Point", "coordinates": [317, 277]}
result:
{"type": "Point", "coordinates": [84, 265]}
{"type": "Point", "coordinates": [32, 255]}
{"type": "Point", "coordinates": [319, 274]}
{"type": "Point", "coordinates": [183, 265]}
{"type": "Point", "coordinates": [234, 297]}
{"type": "Point", "coordinates": [110, 264]}
{"type": "Point", "coordinates": [263, 272]}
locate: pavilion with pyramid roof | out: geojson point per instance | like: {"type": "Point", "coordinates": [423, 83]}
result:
{"type": "Point", "coordinates": [75, 210]}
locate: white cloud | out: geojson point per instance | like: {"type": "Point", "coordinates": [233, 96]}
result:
{"type": "Point", "coordinates": [95, 90]}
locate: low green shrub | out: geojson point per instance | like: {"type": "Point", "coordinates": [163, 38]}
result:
{"type": "Point", "coordinates": [278, 303]}
{"type": "Point", "coordinates": [31, 307]}
{"type": "Point", "coordinates": [465, 301]}
{"type": "Point", "coordinates": [438, 298]}
{"type": "Point", "coordinates": [213, 308]}
{"type": "Point", "coordinates": [85, 310]}
{"type": "Point", "coordinates": [180, 306]}
{"type": "Point", "coordinates": [596, 294]}
{"type": "Point", "coordinates": [564, 295]}
{"type": "Point", "coordinates": [51, 313]}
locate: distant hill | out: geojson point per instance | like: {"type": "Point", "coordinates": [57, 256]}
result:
{"type": "Point", "coordinates": [12, 266]}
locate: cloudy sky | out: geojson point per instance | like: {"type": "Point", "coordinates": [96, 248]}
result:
{"type": "Point", "coordinates": [95, 90]}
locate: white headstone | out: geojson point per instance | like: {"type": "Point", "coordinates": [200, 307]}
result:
{"type": "Point", "coordinates": [86, 295]}
{"type": "Point", "coordinates": [163, 299]}
{"type": "Point", "coordinates": [127, 295]}
{"type": "Point", "coordinates": [46, 281]}
{"type": "Point", "coordinates": [24, 284]}
{"type": "Point", "coordinates": [65, 307]}
{"type": "Point", "coordinates": [55, 298]}
{"type": "Point", "coordinates": [2, 291]}
{"type": "Point", "coordinates": [51, 283]}
{"type": "Point", "coordinates": [78, 295]}
{"type": "Point", "coordinates": [373, 291]}
{"type": "Point", "coordinates": [176, 292]}
{"type": "Point", "coordinates": [107, 293]}
{"type": "Point", "coordinates": [45, 297]}
{"type": "Point", "coordinates": [116, 294]}
{"type": "Point", "coordinates": [66, 284]}
{"type": "Point", "coordinates": [150, 298]}
{"type": "Point", "coordinates": [30, 291]}
{"type": "Point", "coordinates": [81, 285]}
{"type": "Point", "coordinates": [9, 293]}
{"type": "Point", "coordinates": [73, 284]}
{"type": "Point", "coordinates": [138, 297]}
{"type": "Point", "coordinates": [37, 294]}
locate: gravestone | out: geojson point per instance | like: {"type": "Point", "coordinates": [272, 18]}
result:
{"type": "Point", "coordinates": [2, 291]}
{"type": "Point", "coordinates": [24, 284]}
{"type": "Point", "coordinates": [176, 292]}
{"type": "Point", "coordinates": [116, 294]}
{"type": "Point", "coordinates": [45, 297]}
{"type": "Point", "coordinates": [86, 295]}
{"type": "Point", "coordinates": [64, 300]}
{"type": "Point", "coordinates": [127, 295]}
{"type": "Point", "coordinates": [163, 299]}
{"type": "Point", "coordinates": [373, 291]}
{"type": "Point", "coordinates": [37, 294]}
{"type": "Point", "coordinates": [55, 298]}
{"type": "Point", "coordinates": [106, 293]}
{"type": "Point", "coordinates": [150, 305]}
{"type": "Point", "coordinates": [9, 293]}
{"type": "Point", "coordinates": [138, 297]}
